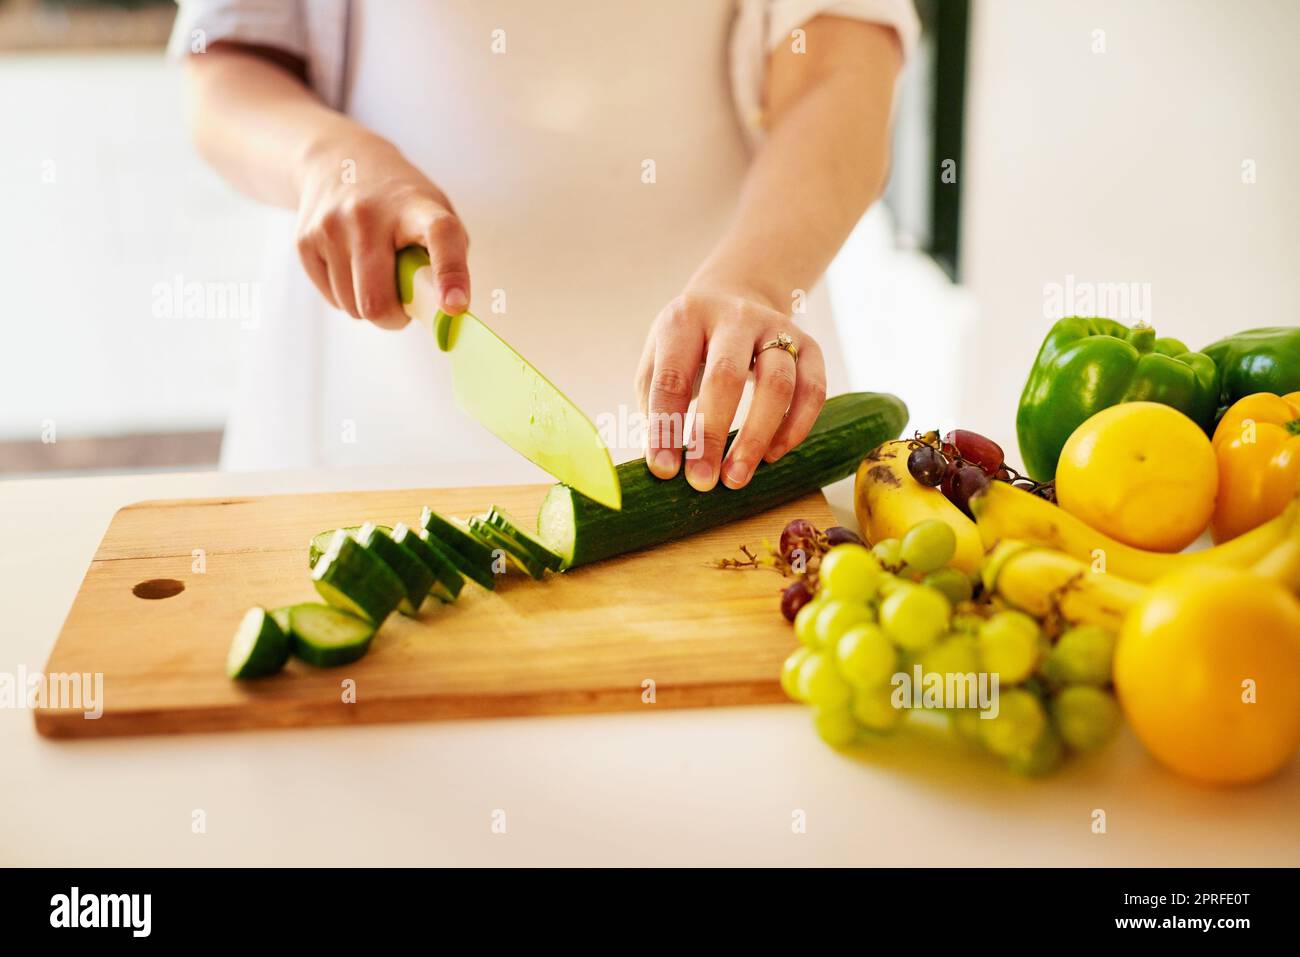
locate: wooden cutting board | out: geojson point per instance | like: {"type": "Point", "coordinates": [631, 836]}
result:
{"type": "Point", "coordinates": [656, 629]}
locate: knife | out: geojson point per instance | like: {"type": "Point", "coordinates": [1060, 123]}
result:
{"type": "Point", "coordinates": [498, 386]}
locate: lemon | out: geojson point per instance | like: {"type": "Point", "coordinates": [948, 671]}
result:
{"type": "Point", "coordinates": [1207, 669]}
{"type": "Point", "coordinates": [1142, 473]}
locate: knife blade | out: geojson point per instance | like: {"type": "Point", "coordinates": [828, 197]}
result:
{"type": "Point", "coordinates": [497, 386]}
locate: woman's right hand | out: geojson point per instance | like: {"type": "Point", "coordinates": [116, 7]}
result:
{"type": "Point", "coordinates": [360, 202]}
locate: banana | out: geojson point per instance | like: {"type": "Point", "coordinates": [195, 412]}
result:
{"type": "Point", "coordinates": [1047, 583]}
{"type": "Point", "coordinates": [888, 502]}
{"type": "Point", "coordinates": [1006, 513]}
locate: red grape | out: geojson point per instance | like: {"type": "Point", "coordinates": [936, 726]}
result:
{"type": "Point", "coordinates": [839, 535]}
{"type": "Point", "coordinates": [976, 450]}
{"type": "Point", "coordinates": [927, 465]}
{"type": "Point", "coordinates": [793, 598]}
{"type": "Point", "coordinates": [800, 535]}
{"type": "Point", "coordinates": [964, 482]}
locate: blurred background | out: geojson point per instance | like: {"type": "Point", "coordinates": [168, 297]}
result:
{"type": "Point", "coordinates": [1137, 150]}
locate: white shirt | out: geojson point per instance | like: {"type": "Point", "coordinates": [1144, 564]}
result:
{"type": "Point", "coordinates": [538, 120]}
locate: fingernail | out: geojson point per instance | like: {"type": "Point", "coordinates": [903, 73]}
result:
{"type": "Point", "coordinates": [700, 476]}
{"type": "Point", "coordinates": [665, 463]}
{"type": "Point", "coordinates": [454, 301]}
{"type": "Point", "coordinates": [737, 473]}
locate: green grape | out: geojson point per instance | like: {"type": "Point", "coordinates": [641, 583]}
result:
{"type": "Point", "coordinates": [952, 584]}
{"type": "Point", "coordinates": [836, 617]}
{"type": "Point", "coordinates": [1009, 646]}
{"type": "Point", "coordinates": [1043, 758]}
{"type": "Point", "coordinates": [1019, 723]}
{"type": "Point", "coordinates": [805, 622]}
{"type": "Point", "coordinates": [866, 657]}
{"type": "Point", "coordinates": [874, 708]}
{"type": "Point", "coordinates": [888, 585]}
{"type": "Point", "coordinates": [928, 545]}
{"type": "Point", "coordinates": [889, 552]}
{"type": "Point", "coordinates": [967, 622]}
{"type": "Point", "coordinates": [820, 684]}
{"type": "Point", "coordinates": [914, 616]}
{"type": "Point", "coordinates": [1087, 717]}
{"type": "Point", "coordinates": [835, 726]}
{"type": "Point", "coordinates": [955, 655]}
{"type": "Point", "coordinates": [849, 572]}
{"type": "Point", "coordinates": [790, 672]}
{"type": "Point", "coordinates": [1082, 656]}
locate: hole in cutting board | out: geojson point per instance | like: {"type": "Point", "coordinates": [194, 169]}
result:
{"type": "Point", "coordinates": [156, 588]}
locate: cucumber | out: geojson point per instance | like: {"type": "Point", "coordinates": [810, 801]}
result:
{"type": "Point", "coordinates": [414, 574]}
{"type": "Point", "coordinates": [447, 581]}
{"type": "Point", "coordinates": [320, 542]}
{"type": "Point", "coordinates": [354, 578]}
{"type": "Point", "coordinates": [326, 637]}
{"type": "Point", "coordinates": [492, 538]}
{"type": "Point", "coordinates": [260, 647]}
{"type": "Point", "coordinates": [527, 543]}
{"type": "Point", "coordinates": [472, 558]}
{"type": "Point", "coordinates": [656, 510]}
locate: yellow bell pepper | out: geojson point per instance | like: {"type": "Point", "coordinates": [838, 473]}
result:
{"type": "Point", "coordinates": [1257, 443]}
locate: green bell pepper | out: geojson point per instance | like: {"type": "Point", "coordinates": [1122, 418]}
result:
{"type": "Point", "coordinates": [1086, 365]}
{"type": "Point", "coordinates": [1258, 360]}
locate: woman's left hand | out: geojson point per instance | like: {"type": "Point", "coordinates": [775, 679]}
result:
{"type": "Point", "coordinates": [724, 331]}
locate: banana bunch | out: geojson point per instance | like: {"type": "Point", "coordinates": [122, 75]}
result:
{"type": "Point", "coordinates": [1005, 513]}
{"type": "Point", "coordinates": [1048, 583]}
{"type": "Point", "coordinates": [888, 502]}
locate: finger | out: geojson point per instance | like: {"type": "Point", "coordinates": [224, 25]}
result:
{"type": "Point", "coordinates": [441, 233]}
{"type": "Point", "coordinates": [678, 351]}
{"type": "Point", "coordinates": [317, 271]}
{"type": "Point", "coordinates": [774, 387]}
{"type": "Point", "coordinates": [725, 372]}
{"type": "Point", "coordinates": [339, 264]}
{"type": "Point", "coordinates": [806, 403]}
{"type": "Point", "coordinates": [373, 270]}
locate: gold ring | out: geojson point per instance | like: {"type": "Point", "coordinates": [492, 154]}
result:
{"type": "Point", "coordinates": [784, 341]}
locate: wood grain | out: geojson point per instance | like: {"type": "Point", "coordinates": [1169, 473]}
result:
{"type": "Point", "coordinates": [584, 641]}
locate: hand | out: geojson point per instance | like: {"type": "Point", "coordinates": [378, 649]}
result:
{"type": "Point", "coordinates": [723, 331]}
{"type": "Point", "coordinates": [349, 232]}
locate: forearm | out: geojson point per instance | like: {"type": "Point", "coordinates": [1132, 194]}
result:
{"type": "Point", "coordinates": [260, 126]}
{"type": "Point", "coordinates": [823, 163]}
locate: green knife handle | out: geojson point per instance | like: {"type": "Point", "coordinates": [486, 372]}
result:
{"type": "Point", "coordinates": [410, 261]}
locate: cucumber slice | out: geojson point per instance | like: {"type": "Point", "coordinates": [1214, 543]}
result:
{"type": "Point", "coordinates": [493, 538]}
{"type": "Point", "coordinates": [351, 577]}
{"type": "Point", "coordinates": [472, 558]}
{"type": "Point", "coordinates": [447, 580]}
{"type": "Point", "coordinates": [415, 575]}
{"type": "Point", "coordinates": [327, 637]}
{"type": "Point", "coordinates": [281, 616]}
{"type": "Point", "coordinates": [658, 510]}
{"type": "Point", "coordinates": [507, 526]}
{"type": "Point", "coordinates": [259, 647]}
{"type": "Point", "coordinates": [320, 542]}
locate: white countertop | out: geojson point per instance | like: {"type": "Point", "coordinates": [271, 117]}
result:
{"type": "Point", "coordinates": [674, 787]}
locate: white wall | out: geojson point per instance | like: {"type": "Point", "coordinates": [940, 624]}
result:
{"type": "Point", "coordinates": [1126, 166]}
{"type": "Point", "coordinates": [101, 199]}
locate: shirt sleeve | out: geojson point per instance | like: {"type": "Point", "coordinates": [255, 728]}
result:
{"type": "Point", "coordinates": [762, 25]}
{"type": "Point", "coordinates": [269, 23]}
